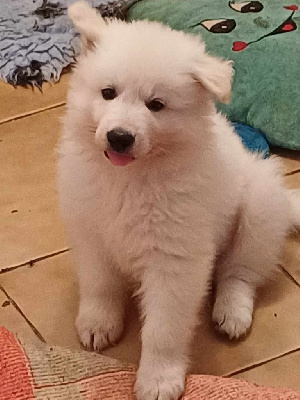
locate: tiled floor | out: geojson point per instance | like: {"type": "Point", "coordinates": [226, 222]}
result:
{"type": "Point", "coordinates": [38, 294]}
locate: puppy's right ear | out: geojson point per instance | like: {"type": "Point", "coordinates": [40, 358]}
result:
{"type": "Point", "coordinates": [88, 22]}
{"type": "Point", "coordinates": [215, 74]}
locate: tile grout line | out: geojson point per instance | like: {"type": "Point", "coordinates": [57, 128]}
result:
{"type": "Point", "coordinates": [294, 172]}
{"type": "Point", "coordinates": [33, 261]}
{"type": "Point", "coordinates": [18, 309]}
{"type": "Point", "coordinates": [259, 364]}
{"type": "Point", "coordinates": [30, 113]}
{"type": "Point", "coordinates": [288, 275]}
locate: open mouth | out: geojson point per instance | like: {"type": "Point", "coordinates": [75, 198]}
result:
{"type": "Point", "coordinates": [119, 159]}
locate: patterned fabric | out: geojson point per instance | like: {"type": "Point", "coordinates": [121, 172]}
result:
{"type": "Point", "coordinates": [262, 38]}
{"type": "Point", "coordinates": [42, 372]}
{"type": "Point", "coordinates": [37, 39]}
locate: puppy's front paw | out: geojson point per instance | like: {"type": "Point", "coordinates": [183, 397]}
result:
{"type": "Point", "coordinates": [162, 383]}
{"type": "Point", "coordinates": [232, 318]}
{"type": "Point", "coordinates": [98, 327]}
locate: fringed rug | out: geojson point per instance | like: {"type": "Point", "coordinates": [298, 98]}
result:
{"type": "Point", "coordinates": [37, 39]}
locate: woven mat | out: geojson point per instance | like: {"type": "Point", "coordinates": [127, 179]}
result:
{"type": "Point", "coordinates": [30, 371]}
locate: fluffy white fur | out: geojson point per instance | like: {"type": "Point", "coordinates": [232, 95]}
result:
{"type": "Point", "coordinates": [192, 199]}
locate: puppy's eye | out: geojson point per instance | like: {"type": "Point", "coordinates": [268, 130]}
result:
{"type": "Point", "coordinates": [109, 93]}
{"type": "Point", "coordinates": [155, 105]}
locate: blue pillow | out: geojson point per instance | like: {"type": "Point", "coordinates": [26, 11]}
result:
{"type": "Point", "coordinates": [252, 139]}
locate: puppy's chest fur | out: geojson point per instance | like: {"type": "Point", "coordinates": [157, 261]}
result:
{"type": "Point", "coordinates": [142, 217]}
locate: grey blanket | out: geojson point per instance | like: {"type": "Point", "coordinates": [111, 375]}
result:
{"type": "Point", "coordinates": [37, 40]}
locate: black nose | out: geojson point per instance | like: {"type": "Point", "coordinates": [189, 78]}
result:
{"type": "Point", "coordinates": [120, 140]}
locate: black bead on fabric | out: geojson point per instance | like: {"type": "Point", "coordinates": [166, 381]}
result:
{"type": "Point", "coordinates": [49, 10]}
{"type": "Point", "coordinates": [30, 75]}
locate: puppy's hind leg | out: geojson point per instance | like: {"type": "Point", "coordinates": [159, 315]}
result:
{"type": "Point", "coordinates": [233, 308]}
{"type": "Point", "coordinates": [250, 262]}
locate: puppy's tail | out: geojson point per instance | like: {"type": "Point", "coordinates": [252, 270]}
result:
{"type": "Point", "coordinates": [294, 198]}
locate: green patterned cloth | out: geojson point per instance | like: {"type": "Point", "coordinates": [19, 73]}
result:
{"type": "Point", "coordinates": [263, 40]}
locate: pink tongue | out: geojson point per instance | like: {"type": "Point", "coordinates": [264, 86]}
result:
{"type": "Point", "coordinates": [118, 158]}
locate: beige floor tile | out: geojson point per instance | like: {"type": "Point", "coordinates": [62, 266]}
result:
{"type": "Point", "coordinates": [291, 257]}
{"type": "Point", "coordinates": [46, 292]}
{"type": "Point", "coordinates": [283, 372]}
{"type": "Point", "coordinates": [290, 159]}
{"type": "Point", "coordinates": [291, 254]}
{"type": "Point", "coordinates": [12, 320]}
{"type": "Point", "coordinates": [48, 296]}
{"type": "Point", "coordinates": [292, 181]}
{"type": "Point", "coordinates": [18, 101]}
{"type": "Point", "coordinates": [30, 224]}
{"type": "Point", "coordinates": [275, 330]}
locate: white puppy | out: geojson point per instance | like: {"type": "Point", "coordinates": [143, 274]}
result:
{"type": "Point", "coordinates": [188, 197]}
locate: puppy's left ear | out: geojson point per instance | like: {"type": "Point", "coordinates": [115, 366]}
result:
{"type": "Point", "coordinates": [88, 22]}
{"type": "Point", "coordinates": [215, 74]}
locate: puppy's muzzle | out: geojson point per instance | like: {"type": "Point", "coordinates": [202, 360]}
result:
{"type": "Point", "coordinates": [120, 140]}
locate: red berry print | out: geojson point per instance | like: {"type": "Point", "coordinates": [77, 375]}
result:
{"type": "Point", "coordinates": [293, 7]}
{"type": "Point", "coordinates": [239, 46]}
